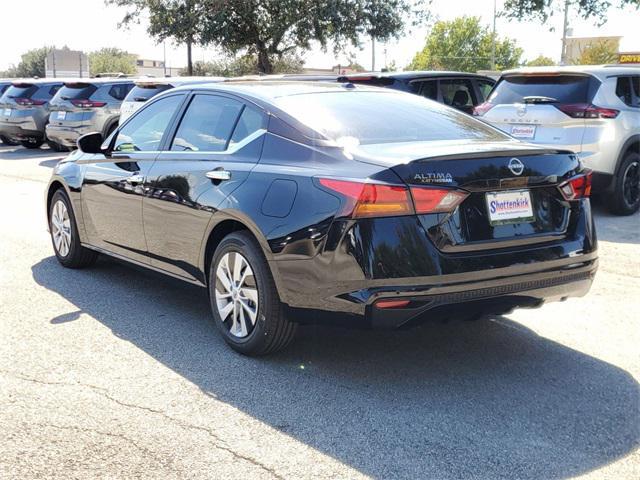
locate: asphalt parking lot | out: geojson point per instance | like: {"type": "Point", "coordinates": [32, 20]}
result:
{"type": "Point", "coordinates": [115, 372]}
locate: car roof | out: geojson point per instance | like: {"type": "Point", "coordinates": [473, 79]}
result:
{"type": "Point", "coordinates": [414, 74]}
{"type": "Point", "coordinates": [598, 70]}
{"type": "Point", "coordinates": [176, 81]}
{"type": "Point", "coordinates": [268, 90]}
{"type": "Point", "coordinates": [99, 80]}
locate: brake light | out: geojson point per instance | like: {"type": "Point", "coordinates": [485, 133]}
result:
{"type": "Point", "coordinates": [392, 303]}
{"type": "Point", "coordinates": [378, 200]}
{"type": "Point", "coordinates": [29, 102]}
{"type": "Point", "coordinates": [481, 109]}
{"type": "Point", "coordinates": [87, 103]}
{"type": "Point", "coordinates": [585, 110]}
{"type": "Point", "coordinates": [436, 200]}
{"type": "Point", "coordinates": [577, 187]}
{"type": "Point", "coordinates": [371, 199]}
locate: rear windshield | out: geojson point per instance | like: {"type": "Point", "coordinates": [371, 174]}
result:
{"type": "Point", "coordinates": [561, 88]}
{"type": "Point", "coordinates": [22, 90]}
{"type": "Point", "coordinates": [142, 93]}
{"type": "Point", "coordinates": [80, 91]}
{"type": "Point", "coordinates": [4, 87]}
{"type": "Point", "coordinates": [364, 118]}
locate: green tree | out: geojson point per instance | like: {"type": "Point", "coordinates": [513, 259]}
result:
{"type": "Point", "coordinates": [177, 20]}
{"type": "Point", "coordinates": [541, 10]}
{"type": "Point", "coordinates": [111, 59]}
{"type": "Point", "coordinates": [31, 64]}
{"type": "Point", "coordinates": [541, 61]}
{"type": "Point", "coordinates": [463, 44]}
{"type": "Point", "coordinates": [599, 52]}
{"type": "Point", "coordinates": [271, 29]}
{"type": "Point", "coordinates": [244, 65]}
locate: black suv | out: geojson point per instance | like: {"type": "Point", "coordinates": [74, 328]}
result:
{"type": "Point", "coordinates": [457, 89]}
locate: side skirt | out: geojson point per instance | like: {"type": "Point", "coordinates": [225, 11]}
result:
{"type": "Point", "coordinates": [144, 265]}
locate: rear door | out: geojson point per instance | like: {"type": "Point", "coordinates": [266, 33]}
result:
{"type": "Point", "coordinates": [113, 184]}
{"type": "Point", "coordinates": [217, 143]}
{"type": "Point", "coordinates": [542, 108]}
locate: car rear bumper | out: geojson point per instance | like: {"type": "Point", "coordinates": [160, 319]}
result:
{"type": "Point", "coordinates": [394, 259]}
{"type": "Point", "coordinates": [67, 136]}
{"type": "Point", "coordinates": [21, 130]}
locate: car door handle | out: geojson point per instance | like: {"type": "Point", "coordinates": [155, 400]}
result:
{"type": "Point", "coordinates": [135, 179]}
{"type": "Point", "coordinates": [218, 174]}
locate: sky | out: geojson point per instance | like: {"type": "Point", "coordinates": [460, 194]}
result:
{"type": "Point", "coordinates": [89, 25]}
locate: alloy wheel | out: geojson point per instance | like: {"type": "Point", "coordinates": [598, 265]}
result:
{"type": "Point", "coordinates": [236, 294]}
{"type": "Point", "coordinates": [631, 183]}
{"type": "Point", "coordinates": [61, 228]}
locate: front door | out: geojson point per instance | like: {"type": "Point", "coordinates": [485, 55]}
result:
{"type": "Point", "coordinates": [112, 188]}
{"type": "Point", "coordinates": [216, 144]}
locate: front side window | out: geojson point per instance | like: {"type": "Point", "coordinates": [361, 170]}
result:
{"type": "Point", "coordinates": [145, 130]}
{"type": "Point", "coordinates": [635, 84]}
{"type": "Point", "coordinates": [485, 88]}
{"type": "Point", "coordinates": [120, 91]}
{"type": "Point", "coordinates": [366, 118]}
{"type": "Point", "coordinates": [207, 124]}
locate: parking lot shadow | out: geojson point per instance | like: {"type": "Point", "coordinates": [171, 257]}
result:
{"type": "Point", "coordinates": [614, 228]}
{"type": "Point", "coordinates": [488, 399]}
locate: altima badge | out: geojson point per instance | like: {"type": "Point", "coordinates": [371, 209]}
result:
{"type": "Point", "coordinates": [516, 166]}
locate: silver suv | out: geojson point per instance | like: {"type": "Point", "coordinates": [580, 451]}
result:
{"type": "Point", "coordinates": [24, 110]}
{"type": "Point", "coordinates": [86, 105]}
{"type": "Point", "coordinates": [4, 86]}
{"type": "Point", "coordinates": [592, 110]}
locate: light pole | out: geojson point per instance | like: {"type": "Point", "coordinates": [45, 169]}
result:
{"type": "Point", "coordinates": [493, 39]}
{"type": "Point", "coordinates": [563, 56]}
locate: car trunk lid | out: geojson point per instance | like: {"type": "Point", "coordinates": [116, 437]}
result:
{"type": "Point", "coordinates": [513, 195]}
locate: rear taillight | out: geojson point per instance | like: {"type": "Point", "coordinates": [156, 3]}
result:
{"type": "Point", "coordinates": [436, 200]}
{"type": "Point", "coordinates": [481, 109]}
{"type": "Point", "coordinates": [371, 199]}
{"type": "Point", "coordinates": [392, 303]}
{"type": "Point", "coordinates": [577, 187]}
{"type": "Point", "coordinates": [585, 110]}
{"type": "Point", "coordinates": [29, 102]}
{"type": "Point", "coordinates": [87, 103]}
{"type": "Point", "coordinates": [378, 200]}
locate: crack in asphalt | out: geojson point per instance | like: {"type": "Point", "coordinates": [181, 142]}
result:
{"type": "Point", "coordinates": [105, 393]}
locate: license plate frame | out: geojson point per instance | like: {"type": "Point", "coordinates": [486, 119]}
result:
{"type": "Point", "coordinates": [61, 115]}
{"type": "Point", "coordinates": [517, 207]}
{"type": "Point", "coordinates": [523, 131]}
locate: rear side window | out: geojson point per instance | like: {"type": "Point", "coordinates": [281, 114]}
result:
{"type": "Point", "coordinates": [144, 131]}
{"type": "Point", "coordinates": [120, 91]}
{"type": "Point", "coordinates": [457, 93]}
{"type": "Point", "coordinates": [561, 88]}
{"type": "Point", "coordinates": [3, 88]}
{"type": "Point", "coordinates": [21, 90]}
{"type": "Point", "coordinates": [352, 118]}
{"type": "Point", "coordinates": [427, 89]}
{"type": "Point", "coordinates": [79, 91]}
{"type": "Point", "coordinates": [250, 121]}
{"type": "Point", "coordinates": [624, 90]}
{"type": "Point", "coordinates": [142, 93]}
{"type": "Point", "coordinates": [207, 124]}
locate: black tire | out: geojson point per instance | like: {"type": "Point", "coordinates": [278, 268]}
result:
{"type": "Point", "coordinates": [7, 141]}
{"type": "Point", "coordinates": [32, 143]}
{"type": "Point", "coordinates": [77, 255]}
{"type": "Point", "coordinates": [625, 199]}
{"type": "Point", "coordinates": [56, 147]}
{"type": "Point", "coordinates": [272, 330]}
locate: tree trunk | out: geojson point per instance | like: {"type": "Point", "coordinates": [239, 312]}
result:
{"type": "Point", "coordinates": [189, 61]}
{"type": "Point", "coordinates": [264, 62]}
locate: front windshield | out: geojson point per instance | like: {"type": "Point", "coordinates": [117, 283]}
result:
{"type": "Point", "coordinates": [352, 118]}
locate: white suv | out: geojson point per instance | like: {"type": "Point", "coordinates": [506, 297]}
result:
{"type": "Point", "coordinates": [592, 110]}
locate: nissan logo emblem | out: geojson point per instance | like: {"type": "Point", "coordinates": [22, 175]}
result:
{"type": "Point", "coordinates": [516, 166]}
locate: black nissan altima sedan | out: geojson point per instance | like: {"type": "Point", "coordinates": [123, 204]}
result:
{"type": "Point", "coordinates": [296, 202]}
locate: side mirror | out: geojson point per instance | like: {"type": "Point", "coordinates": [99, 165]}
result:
{"type": "Point", "coordinates": [90, 143]}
